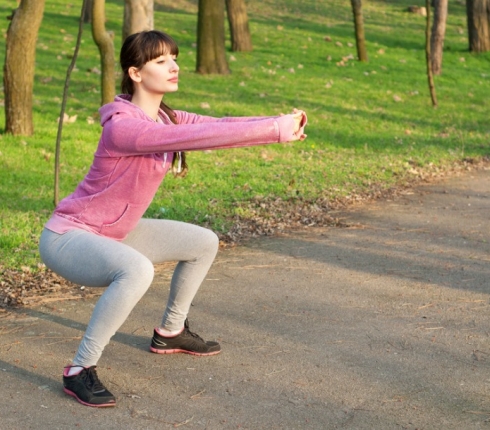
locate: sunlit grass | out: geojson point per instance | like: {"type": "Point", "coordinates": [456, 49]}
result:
{"type": "Point", "coordinates": [369, 123]}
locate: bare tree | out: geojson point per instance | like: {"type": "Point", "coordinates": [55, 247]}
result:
{"type": "Point", "coordinates": [85, 4]}
{"type": "Point", "coordinates": [239, 28]}
{"type": "Point", "coordinates": [138, 16]}
{"type": "Point", "coordinates": [87, 11]}
{"type": "Point", "coordinates": [430, 77]}
{"type": "Point", "coordinates": [105, 43]}
{"type": "Point", "coordinates": [211, 55]}
{"type": "Point", "coordinates": [478, 15]}
{"type": "Point", "coordinates": [438, 34]}
{"type": "Point", "coordinates": [359, 29]}
{"type": "Point", "coordinates": [20, 57]}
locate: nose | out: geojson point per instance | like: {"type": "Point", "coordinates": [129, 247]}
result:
{"type": "Point", "coordinates": [175, 66]}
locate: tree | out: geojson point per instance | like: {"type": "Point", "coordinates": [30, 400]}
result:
{"type": "Point", "coordinates": [437, 37]}
{"type": "Point", "coordinates": [430, 77]}
{"type": "Point", "coordinates": [20, 58]}
{"type": "Point", "coordinates": [239, 29]}
{"type": "Point", "coordinates": [105, 43]}
{"type": "Point", "coordinates": [359, 30]}
{"type": "Point", "coordinates": [138, 16]}
{"type": "Point", "coordinates": [211, 56]}
{"type": "Point", "coordinates": [87, 11]}
{"type": "Point", "coordinates": [478, 15]}
{"type": "Point", "coordinates": [83, 15]}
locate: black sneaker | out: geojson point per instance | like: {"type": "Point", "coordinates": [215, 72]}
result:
{"type": "Point", "coordinates": [186, 342]}
{"type": "Point", "coordinates": [87, 388]}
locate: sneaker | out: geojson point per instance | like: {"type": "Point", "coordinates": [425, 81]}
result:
{"type": "Point", "coordinates": [186, 342]}
{"type": "Point", "coordinates": [87, 388]}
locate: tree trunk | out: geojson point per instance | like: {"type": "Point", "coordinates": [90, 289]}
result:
{"type": "Point", "coordinates": [20, 58]}
{"type": "Point", "coordinates": [211, 56]}
{"type": "Point", "coordinates": [138, 16]}
{"type": "Point", "coordinates": [359, 29]}
{"type": "Point", "coordinates": [63, 103]}
{"type": "Point", "coordinates": [239, 29]}
{"type": "Point", "coordinates": [478, 14]}
{"type": "Point", "coordinates": [430, 77]}
{"type": "Point", "coordinates": [87, 12]}
{"type": "Point", "coordinates": [105, 43]}
{"type": "Point", "coordinates": [437, 37]}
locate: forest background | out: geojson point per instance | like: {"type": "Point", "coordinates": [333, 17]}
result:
{"type": "Point", "coordinates": [372, 129]}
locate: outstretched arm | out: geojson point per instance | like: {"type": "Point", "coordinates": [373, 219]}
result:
{"type": "Point", "coordinates": [126, 135]}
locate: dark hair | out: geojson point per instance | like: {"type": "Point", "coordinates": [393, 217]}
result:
{"type": "Point", "coordinates": [136, 51]}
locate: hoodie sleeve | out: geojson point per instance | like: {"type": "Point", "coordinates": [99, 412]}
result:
{"type": "Point", "coordinates": [124, 134]}
{"type": "Point", "coordinates": [192, 118]}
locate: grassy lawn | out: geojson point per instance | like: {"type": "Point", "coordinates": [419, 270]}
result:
{"type": "Point", "coordinates": [371, 125]}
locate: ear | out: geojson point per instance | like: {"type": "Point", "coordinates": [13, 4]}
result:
{"type": "Point", "coordinates": [134, 74]}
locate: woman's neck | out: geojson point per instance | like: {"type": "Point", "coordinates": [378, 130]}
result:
{"type": "Point", "coordinates": [147, 103]}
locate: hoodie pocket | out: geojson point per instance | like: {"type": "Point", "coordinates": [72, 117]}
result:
{"type": "Point", "coordinates": [126, 222]}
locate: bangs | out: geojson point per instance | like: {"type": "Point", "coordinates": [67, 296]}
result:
{"type": "Point", "coordinates": [159, 44]}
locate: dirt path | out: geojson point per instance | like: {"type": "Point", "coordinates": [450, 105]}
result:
{"type": "Point", "coordinates": [383, 325]}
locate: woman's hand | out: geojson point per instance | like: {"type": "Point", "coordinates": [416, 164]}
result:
{"type": "Point", "coordinates": [300, 120]}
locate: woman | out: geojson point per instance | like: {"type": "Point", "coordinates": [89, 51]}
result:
{"type": "Point", "coordinates": [97, 236]}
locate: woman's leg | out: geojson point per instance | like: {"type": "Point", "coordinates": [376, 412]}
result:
{"type": "Point", "coordinates": [95, 261]}
{"type": "Point", "coordinates": [192, 246]}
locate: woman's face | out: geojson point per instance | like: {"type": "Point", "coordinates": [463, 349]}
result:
{"type": "Point", "coordinates": [160, 75]}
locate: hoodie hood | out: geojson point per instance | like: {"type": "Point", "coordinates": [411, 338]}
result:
{"type": "Point", "coordinates": [121, 104]}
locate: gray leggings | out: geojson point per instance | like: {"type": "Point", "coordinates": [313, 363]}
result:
{"type": "Point", "coordinates": [127, 269]}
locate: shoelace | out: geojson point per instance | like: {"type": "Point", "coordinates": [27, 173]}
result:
{"type": "Point", "coordinates": [95, 384]}
{"type": "Point", "coordinates": [188, 332]}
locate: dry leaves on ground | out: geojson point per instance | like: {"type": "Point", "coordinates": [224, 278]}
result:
{"type": "Point", "coordinates": [28, 288]}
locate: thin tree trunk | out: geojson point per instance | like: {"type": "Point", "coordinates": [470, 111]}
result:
{"type": "Point", "coordinates": [430, 78]}
{"type": "Point", "coordinates": [20, 58]}
{"type": "Point", "coordinates": [211, 57]}
{"type": "Point", "coordinates": [438, 34]}
{"type": "Point", "coordinates": [478, 14]}
{"type": "Point", "coordinates": [359, 30]}
{"type": "Point", "coordinates": [87, 14]}
{"type": "Point", "coordinates": [138, 16]}
{"type": "Point", "coordinates": [239, 28]}
{"type": "Point", "coordinates": [105, 43]}
{"type": "Point", "coordinates": [63, 103]}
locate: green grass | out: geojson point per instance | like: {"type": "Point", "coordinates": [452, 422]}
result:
{"type": "Point", "coordinates": [369, 123]}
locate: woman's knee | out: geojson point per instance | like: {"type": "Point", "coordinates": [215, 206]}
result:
{"type": "Point", "coordinates": [210, 242]}
{"type": "Point", "coordinates": [140, 269]}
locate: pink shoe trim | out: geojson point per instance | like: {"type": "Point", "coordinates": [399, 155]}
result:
{"type": "Point", "coordinates": [101, 405]}
{"type": "Point", "coordinates": [183, 351]}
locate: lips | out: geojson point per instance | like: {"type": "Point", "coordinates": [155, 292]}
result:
{"type": "Point", "coordinates": [174, 80]}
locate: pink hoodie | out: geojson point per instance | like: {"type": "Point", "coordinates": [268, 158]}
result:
{"type": "Point", "coordinates": [135, 153]}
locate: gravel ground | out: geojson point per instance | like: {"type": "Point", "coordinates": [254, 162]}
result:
{"type": "Point", "coordinates": [380, 325]}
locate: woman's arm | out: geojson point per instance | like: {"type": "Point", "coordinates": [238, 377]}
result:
{"type": "Point", "coordinates": [192, 118]}
{"type": "Point", "coordinates": [126, 135]}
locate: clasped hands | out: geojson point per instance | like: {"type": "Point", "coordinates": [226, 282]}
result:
{"type": "Point", "coordinates": [300, 121]}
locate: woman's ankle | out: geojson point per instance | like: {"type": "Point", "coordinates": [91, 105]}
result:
{"type": "Point", "coordinates": [162, 331]}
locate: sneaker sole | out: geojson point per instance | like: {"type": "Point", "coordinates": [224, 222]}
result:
{"type": "Point", "coordinates": [183, 351]}
{"type": "Point", "coordinates": [94, 405]}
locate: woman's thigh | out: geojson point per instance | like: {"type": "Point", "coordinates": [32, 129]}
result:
{"type": "Point", "coordinates": [88, 259]}
{"type": "Point", "coordinates": [167, 240]}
